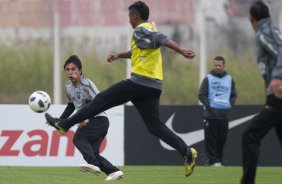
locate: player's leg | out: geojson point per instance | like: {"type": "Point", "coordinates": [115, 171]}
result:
{"type": "Point", "coordinates": [112, 172]}
{"type": "Point", "coordinates": [115, 95]}
{"type": "Point", "coordinates": [278, 129]}
{"type": "Point", "coordinates": [223, 131]}
{"type": "Point", "coordinates": [148, 108]}
{"type": "Point", "coordinates": [251, 140]}
{"type": "Point", "coordinates": [83, 145]}
{"type": "Point", "coordinates": [210, 133]}
{"type": "Point", "coordinates": [98, 131]}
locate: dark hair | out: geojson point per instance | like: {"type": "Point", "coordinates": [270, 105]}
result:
{"type": "Point", "coordinates": [219, 58]}
{"type": "Point", "coordinates": [259, 10]}
{"type": "Point", "coordinates": [141, 8]}
{"type": "Point", "coordinates": [75, 60]}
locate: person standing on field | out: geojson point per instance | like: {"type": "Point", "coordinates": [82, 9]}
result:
{"type": "Point", "coordinates": [269, 59]}
{"type": "Point", "coordinates": [90, 132]}
{"type": "Point", "coordinates": [143, 88]}
{"type": "Point", "coordinates": [218, 95]}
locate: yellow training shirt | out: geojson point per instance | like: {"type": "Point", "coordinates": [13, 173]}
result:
{"type": "Point", "coordinates": [146, 62]}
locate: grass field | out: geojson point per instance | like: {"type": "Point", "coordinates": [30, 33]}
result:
{"type": "Point", "coordinates": [136, 175]}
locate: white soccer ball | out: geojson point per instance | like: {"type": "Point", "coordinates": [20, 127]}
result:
{"type": "Point", "coordinates": [39, 101]}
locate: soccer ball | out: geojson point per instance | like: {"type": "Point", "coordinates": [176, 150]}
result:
{"type": "Point", "coordinates": [39, 101]}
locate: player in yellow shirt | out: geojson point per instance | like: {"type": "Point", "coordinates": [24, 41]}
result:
{"type": "Point", "coordinates": [143, 88]}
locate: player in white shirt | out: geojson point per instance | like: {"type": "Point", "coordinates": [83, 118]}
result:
{"type": "Point", "coordinates": [90, 133]}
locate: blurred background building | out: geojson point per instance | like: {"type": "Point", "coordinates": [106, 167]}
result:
{"type": "Point", "coordinates": [104, 23]}
{"type": "Point", "coordinates": [89, 24]}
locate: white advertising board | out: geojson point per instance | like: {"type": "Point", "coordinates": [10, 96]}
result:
{"type": "Point", "coordinates": [25, 139]}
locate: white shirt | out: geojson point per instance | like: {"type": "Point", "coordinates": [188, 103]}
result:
{"type": "Point", "coordinates": [83, 93]}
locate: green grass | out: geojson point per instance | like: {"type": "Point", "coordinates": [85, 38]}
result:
{"type": "Point", "coordinates": [136, 175]}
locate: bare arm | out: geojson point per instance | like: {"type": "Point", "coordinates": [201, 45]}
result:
{"type": "Point", "coordinates": [185, 52]}
{"type": "Point", "coordinates": [146, 39]}
{"type": "Point", "coordinates": [113, 57]}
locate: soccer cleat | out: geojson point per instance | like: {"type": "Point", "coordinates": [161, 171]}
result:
{"type": "Point", "coordinates": [190, 161]}
{"type": "Point", "coordinates": [118, 175]}
{"type": "Point", "coordinates": [54, 122]}
{"type": "Point", "coordinates": [90, 168]}
{"type": "Point", "coordinates": [217, 164]}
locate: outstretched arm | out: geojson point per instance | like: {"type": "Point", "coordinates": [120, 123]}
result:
{"type": "Point", "coordinates": [185, 52]}
{"type": "Point", "coordinates": [113, 57]}
{"type": "Point", "coordinates": [147, 39]}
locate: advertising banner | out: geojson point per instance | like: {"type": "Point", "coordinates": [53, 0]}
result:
{"type": "Point", "coordinates": [25, 139]}
{"type": "Point", "coordinates": [187, 123]}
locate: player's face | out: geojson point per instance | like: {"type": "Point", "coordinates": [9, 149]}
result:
{"type": "Point", "coordinates": [73, 73]}
{"type": "Point", "coordinates": [253, 22]}
{"type": "Point", "coordinates": [218, 66]}
{"type": "Point", "coordinates": [132, 15]}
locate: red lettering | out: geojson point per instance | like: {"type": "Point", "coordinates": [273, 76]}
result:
{"type": "Point", "coordinates": [39, 147]}
{"type": "Point", "coordinates": [42, 143]}
{"type": "Point", "coordinates": [13, 135]}
{"type": "Point", "coordinates": [56, 140]}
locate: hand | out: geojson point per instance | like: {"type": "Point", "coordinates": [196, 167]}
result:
{"type": "Point", "coordinates": [83, 123]}
{"type": "Point", "coordinates": [112, 57]}
{"type": "Point", "coordinates": [188, 53]}
{"type": "Point", "coordinates": [275, 86]}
